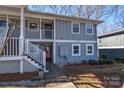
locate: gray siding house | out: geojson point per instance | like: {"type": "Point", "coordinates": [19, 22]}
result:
{"type": "Point", "coordinates": [111, 45]}
{"type": "Point", "coordinates": [30, 40]}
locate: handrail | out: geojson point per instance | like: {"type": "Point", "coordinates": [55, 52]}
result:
{"type": "Point", "coordinates": [35, 53]}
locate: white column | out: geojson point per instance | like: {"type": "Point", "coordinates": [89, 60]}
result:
{"type": "Point", "coordinates": [40, 29]}
{"type": "Point", "coordinates": [21, 38]}
{"type": "Point", "coordinates": [21, 66]}
{"type": "Point", "coordinates": [7, 21]}
{"type": "Point", "coordinates": [54, 43]}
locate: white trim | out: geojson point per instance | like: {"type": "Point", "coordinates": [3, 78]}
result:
{"type": "Point", "coordinates": [87, 49]}
{"type": "Point", "coordinates": [62, 41]}
{"type": "Point", "coordinates": [72, 27]}
{"type": "Point", "coordinates": [116, 47]}
{"type": "Point", "coordinates": [41, 40]}
{"type": "Point", "coordinates": [75, 41]}
{"type": "Point", "coordinates": [79, 54]}
{"type": "Point", "coordinates": [30, 29]}
{"type": "Point", "coordinates": [8, 58]}
{"type": "Point", "coordinates": [92, 29]}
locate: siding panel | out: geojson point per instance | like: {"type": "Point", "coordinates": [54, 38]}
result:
{"type": "Point", "coordinates": [63, 31]}
{"type": "Point", "coordinates": [74, 59]}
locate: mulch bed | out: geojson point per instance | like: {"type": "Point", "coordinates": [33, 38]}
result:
{"type": "Point", "coordinates": [95, 76]}
{"type": "Point", "coordinates": [17, 76]}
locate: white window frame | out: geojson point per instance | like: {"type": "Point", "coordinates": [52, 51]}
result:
{"type": "Point", "coordinates": [31, 28]}
{"type": "Point", "coordinates": [87, 49]}
{"type": "Point", "coordinates": [92, 29]}
{"type": "Point", "coordinates": [73, 49]}
{"type": "Point", "coordinates": [72, 27]}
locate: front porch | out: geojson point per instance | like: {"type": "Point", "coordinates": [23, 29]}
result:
{"type": "Point", "coordinates": [34, 28]}
{"type": "Point", "coordinates": [16, 42]}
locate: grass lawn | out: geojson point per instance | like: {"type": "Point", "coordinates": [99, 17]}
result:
{"type": "Point", "coordinates": [96, 76]}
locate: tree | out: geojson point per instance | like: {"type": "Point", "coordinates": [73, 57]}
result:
{"type": "Point", "coordinates": [112, 13]}
{"type": "Point", "coordinates": [62, 9]}
{"type": "Point", "coordinates": [39, 8]}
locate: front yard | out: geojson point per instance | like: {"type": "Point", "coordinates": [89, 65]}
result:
{"type": "Point", "coordinates": [96, 76]}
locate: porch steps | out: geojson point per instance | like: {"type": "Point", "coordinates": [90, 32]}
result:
{"type": "Point", "coordinates": [32, 62]}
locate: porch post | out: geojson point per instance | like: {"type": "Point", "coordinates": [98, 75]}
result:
{"type": "Point", "coordinates": [54, 43]}
{"type": "Point", "coordinates": [21, 39]}
{"type": "Point", "coordinates": [21, 66]}
{"type": "Point", "coordinates": [7, 21]}
{"type": "Point", "coordinates": [40, 29]}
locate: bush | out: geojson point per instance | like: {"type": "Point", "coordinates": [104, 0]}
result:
{"type": "Point", "coordinates": [84, 62]}
{"type": "Point", "coordinates": [119, 60]}
{"type": "Point", "coordinates": [108, 62]}
{"type": "Point", "coordinates": [102, 62]}
{"type": "Point", "coordinates": [93, 62]}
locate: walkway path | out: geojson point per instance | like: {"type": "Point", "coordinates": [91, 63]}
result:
{"type": "Point", "coordinates": [56, 78]}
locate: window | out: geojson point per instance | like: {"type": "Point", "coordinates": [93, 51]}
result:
{"type": "Point", "coordinates": [89, 29]}
{"type": "Point", "coordinates": [2, 23]}
{"type": "Point", "coordinates": [75, 28]}
{"type": "Point", "coordinates": [33, 25]}
{"type": "Point", "coordinates": [76, 49]}
{"type": "Point", "coordinates": [89, 49]}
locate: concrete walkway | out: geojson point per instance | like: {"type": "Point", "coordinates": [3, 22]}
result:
{"type": "Point", "coordinates": [56, 78]}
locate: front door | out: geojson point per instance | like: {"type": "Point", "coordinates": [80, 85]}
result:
{"type": "Point", "coordinates": [49, 54]}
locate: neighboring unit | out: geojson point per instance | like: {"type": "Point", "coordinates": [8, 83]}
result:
{"type": "Point", "coordinates": [111, 45]}
{"type": "Point", "coordinates": [29, 40]}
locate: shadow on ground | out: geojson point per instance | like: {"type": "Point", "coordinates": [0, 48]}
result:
{"type": "Point", "coordinates": [56, 78]}
{"type": "Point", "coordinates": [95, 76]}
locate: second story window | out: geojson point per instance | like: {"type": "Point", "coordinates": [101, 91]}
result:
{"type": "Point", "coordinates": [2, 23]}
{"type": "Point", "coordinates": [89, 29]}
{"type": "Point", "coordinates": [33, 25]}
{"type": "Point", "coordinates": [75, 28]}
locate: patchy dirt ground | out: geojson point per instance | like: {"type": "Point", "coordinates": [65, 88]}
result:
{"type": "Point", "coordinates": [17, 76]}
{"type": "Point", "coordinates": [96, 76]}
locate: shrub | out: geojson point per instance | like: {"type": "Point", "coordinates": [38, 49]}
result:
{"type": "Point", "coordinates": [93, 62]}
{"type": "Point", "coordinates": [84, 62]}
{"type": "Point", "coordinates": [103, 62]}
{"type": "Point", "coordinates": [119, 60]}
{"type": "Point", "coordinates": [100, 62]}
{"type": "Point", "coordinates": [108, 61]}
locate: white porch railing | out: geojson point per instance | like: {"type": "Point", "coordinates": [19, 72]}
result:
{"type": "Point", "coordinates": [39, 33]}
{"type": "Point", "coordinates": [35, 53]}
{"type": "Point", "coordinates": [11, 48]}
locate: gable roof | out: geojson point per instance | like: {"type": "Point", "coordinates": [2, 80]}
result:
{"type": "Point", "coordinates": [117, 32]}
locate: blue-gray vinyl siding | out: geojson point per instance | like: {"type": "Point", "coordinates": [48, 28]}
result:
{"type": "Point", "coordinates": [111, 53]}
{"type": "Point", "coordinates": [63, 31]}
{"type": "Point", "coordinates": [73, 59]}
